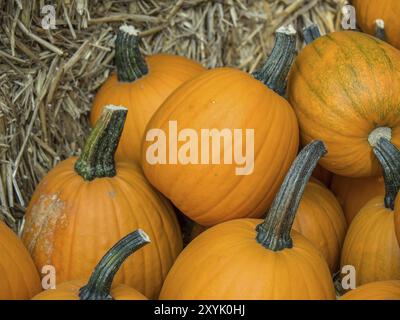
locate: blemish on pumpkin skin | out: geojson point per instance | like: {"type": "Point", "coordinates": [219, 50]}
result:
{"type": "Point", "coordinates": [112, 194]}
{"type": "Point", "coordinates": [46, 215]}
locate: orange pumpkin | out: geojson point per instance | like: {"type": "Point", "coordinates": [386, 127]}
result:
{"type": "Point", "coordinates": [255, 259]}
{"type": "Point", "coordinates": [19, 279]}
{"type": "Point", "coordinates": [141, 85]}
{"type": "Point", "coordinates": [99, 286]}
{"type": "Point", "coordinates": [320, 219]}
{"type": "Point", "coordinates": [343, 87]}
{"type": "Point", "coordinates": [381, 290]}
{"type": "Point", "coordinates": [369, 11]}
{"type": "Point", "coordinates": [370, 245]}
{"type": "Point", "coordinates": [354, 193]}
{"type": "Point", "coordinates": [234, 110]}
{"type": "Point", "coordinates": [85, 205]}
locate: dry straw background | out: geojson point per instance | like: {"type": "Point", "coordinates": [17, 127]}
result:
{"type": "Point", "coordinates": [48, 77]}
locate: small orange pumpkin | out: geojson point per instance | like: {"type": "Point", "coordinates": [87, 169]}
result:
{"type": "Point", "coordinates": [320, 219]}
{"type": "Point", "coordinates": [85, 205]}
{"type": "Point", "coordinates": [19, 279]}
{"type": "Point", "coordinates": [343, 87]}
{"type": "Point", "coordinates": [141, 85]}
{"type": "Point", "coordinates": [380, 290]}
{"type": "Point", "coordinates": [371, 245]}
{"type": "Point", "coordinates": [255, 259]}
{"type": "Point", "coordinates": [369, 12]}
{"type": "Point", "coordinates": [99, 286]}
{"type": "Point", "coordinates": [204, 186]}
{"type": "Point", "coordinates": [354, 193]}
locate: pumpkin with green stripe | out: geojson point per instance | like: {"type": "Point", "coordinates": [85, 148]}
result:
{"type": "Point", "coordinates": [344, 89]}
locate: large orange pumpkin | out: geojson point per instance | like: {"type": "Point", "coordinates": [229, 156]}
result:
{"type": "Point", "coordinates": [354, 193]}
{"type": "Point", "coordinates": [19, 279]}
{"type": "Point", "coordinates": [141, 85]}
{"type": "Point", "coordinates": [320, 219]}
{"type": "Point", "coordinates": [234, 110]}
{"type": "Point", "coordinates": [100, 285]}
{"type": "Point", "coordinates": [343, 87]}
{"type": "Point", "coordinates": [380, 290]}
{"type": "Point", "coordinates": [369, 11]}
{"type": "Point", "coordinates": [85, 205]}
{"type": "Point", "coordinates": [371, 245]}
{"type": "Point", "coordinates": [255, 259]}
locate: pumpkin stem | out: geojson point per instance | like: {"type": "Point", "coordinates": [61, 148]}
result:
{"type": "Point", "coordinates": [274, 232]}
{"type": "Point", "coordinates": [311, 33]}
{"type": "Point", "coordinates": [97, 158]}
{"type": "Point", "coordinates": [389, 157]}
{"type": "Point", "coordinates": [274, 71]}
{"type": "Point", "coordinates": [99, 285]}
{"type": "Point", "coordinates": [377, 133]}
{"type": "Point", "coordinates": [130, 63]}
{"type": "Point", "coordinates": [380, 29]}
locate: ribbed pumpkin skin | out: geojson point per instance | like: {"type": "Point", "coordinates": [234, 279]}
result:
{"type": "Point", "coordinates": [320, 219]}
{"type": "Point", "coordinates": [71, 223]}
{"type": "Point", "coordinates": [397, 218]}
{"type": "Point", "coordinates": [343, 86]}
{"type": "Point", "coordinates": [354, 193]}
{"type": "Point", "coordinates": [143, 97]}
{"type": "Point", "coordinates": [218, 99]}
{"type": "Point", "coordinates": [70, 291]}
{"type": "Point", "coordinates": [380, 290]}
{"type": "Point", "coordinates": [371, 245]}
{"type": "Point", "coordinates": [226, 262]}
{"type": "Point", "coordinates": [368, 11]}
{"type": "Point", "coordinates": [19, 279]}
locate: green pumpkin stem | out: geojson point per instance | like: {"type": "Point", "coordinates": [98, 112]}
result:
{"type": "Point", "coordinates": [130, 63]}
{"type": "Point", "coordinates": [97, 158]}
{"type": "Point", "coordinates": [274, 232]}
{"type": "Point", "coordinates": [311, 33]}
{"type": "Point", "coordinates": [99, 285]}
{"type": "Point", "coordinates": [380, 29]}
{"type": "Point", "coordinates": [274, 71]}
{"type": "Point", "coordinates": [389, 158]}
